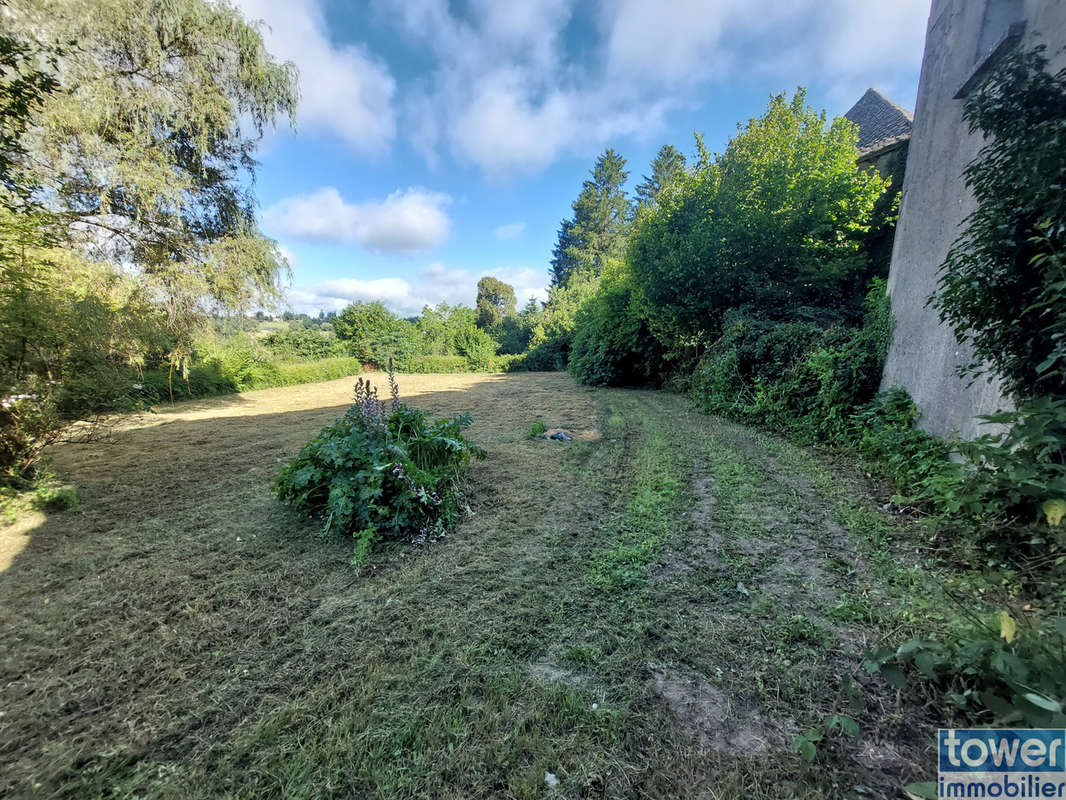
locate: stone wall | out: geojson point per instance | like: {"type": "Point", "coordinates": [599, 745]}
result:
{"type": "Point", "coordinates": [961, 36]}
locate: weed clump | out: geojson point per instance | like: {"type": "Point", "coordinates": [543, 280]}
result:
{"type": "Point", "coordinates": [537, 429]}
{"type": "Point", "coordinates": [383, 470]}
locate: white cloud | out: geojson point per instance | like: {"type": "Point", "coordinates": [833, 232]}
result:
{"type": "Point", "coordinates": [406, 221]}
{"type": "Point", "coordinates": [436, 283]}
{"type": "Point", "coordinates": [512, 230]}
{"type": "Point", "coordinates": [839, 43]}
{"type": "Point", "coordinates": [508, 95]}
{"type": "Point", "coordinates": [344, 89]}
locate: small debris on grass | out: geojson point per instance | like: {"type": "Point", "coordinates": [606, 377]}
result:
{"type": "Point", "coordinates": [550, 779]}
{"type": "Point", "coordinates": [586, 435]}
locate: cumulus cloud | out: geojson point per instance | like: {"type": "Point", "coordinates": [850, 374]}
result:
{"type": "Point", "coordinates": [436, 283]}
{"type": "Point", "coordinates": [838, 43]}
{"type": "Point", "coordinates": [511, 230]}
{"type": "Point", "coordinates": [404, 222]}
{"type": "Point", "coordinates": [344, 89]}
{"type": "Point", "coordinates": [509, 93]}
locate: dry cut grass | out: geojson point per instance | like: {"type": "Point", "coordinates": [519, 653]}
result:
{"type": "Point", "coordinates": [646, 612]}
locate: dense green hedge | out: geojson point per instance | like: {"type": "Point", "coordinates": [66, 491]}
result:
{"type": "Point", "coordinates": [802, 377]}
{"type": "Point", "coordinates": [211, 379]}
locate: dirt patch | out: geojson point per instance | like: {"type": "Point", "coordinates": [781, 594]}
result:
{"type": "Point", "coordinates": [719, 722]}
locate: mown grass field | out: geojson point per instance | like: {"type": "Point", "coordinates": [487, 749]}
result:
{"type": "Point", "coordinates": [655, 610]}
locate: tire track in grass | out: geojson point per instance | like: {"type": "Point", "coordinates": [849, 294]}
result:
{"type": "Point", "coordinates": [655, 488]}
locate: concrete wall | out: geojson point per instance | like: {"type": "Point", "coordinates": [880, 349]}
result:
{"type": "Point", "coordinates": [924, 352]}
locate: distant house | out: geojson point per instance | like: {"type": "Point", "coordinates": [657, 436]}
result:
{"type": "Point", "coordinates": [884, 132]}
{"type": "Point", "coordinates": [884, 137]}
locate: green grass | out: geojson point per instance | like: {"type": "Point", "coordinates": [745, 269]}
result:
{"type": "Point", "coordinates": [657, 481]}
{"type": "Point", "coordinates": [587, 620]}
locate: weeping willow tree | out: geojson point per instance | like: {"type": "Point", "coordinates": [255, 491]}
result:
{"type": "Point", "coordinates": [128, 130]}
{"type": "Point", "coordinates": [142, 150]}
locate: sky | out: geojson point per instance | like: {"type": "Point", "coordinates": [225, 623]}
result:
{"type": "Point", "coordinates": [437, 142]}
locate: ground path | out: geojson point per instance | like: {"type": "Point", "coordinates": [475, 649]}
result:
{"type": "Point", "coordinates": [657, 610]}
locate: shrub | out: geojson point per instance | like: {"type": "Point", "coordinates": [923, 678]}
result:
{"type": "Point", "coordinates": [1004, 671]}
{"type": "Point", "coordinates": [888, 442]}
{"type": "Point", "coordinates": [381, 472]}
{"type": "Point", "coordinates": [56, 498]}
{"type": "Point", "coordinates": [374, 334]}
{"type": "Point", "coordinates": [324, 369]}
{"type": "Point", "coordinates": [29, 422]}
{"type": "Point", "coordinates": [434, 364]}
{"type": "Point", "coordinates": [775, 221]}
{"type": "Point", "coordinates": [536, 429]}
{"type": "Point", "coordinates": [797, 376]}
{"type": "Point", "coordinates": [476, 346]}
{"type": "Point", "coordinates": [613, 343]}
{"type": "Point", "coordinates": [240, 361]}
{"type": "Point", "coordinates": [1009, 489]}
{"type": "Point", "coordinates": [305, 343]}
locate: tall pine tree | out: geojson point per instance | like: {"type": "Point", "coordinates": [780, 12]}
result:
{"type": "Point", "coordinates": [563, 261]}
{"type": "Point", "coordinates": [601, 214]}
{"type": "Point", "coordinates": [665, 168]}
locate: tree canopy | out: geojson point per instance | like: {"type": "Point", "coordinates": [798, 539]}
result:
{"type": "Point", "coordinates": [144, 151]}
{"type": "Point", "coordinates": [775, 221]}
{"type": "Point", "coordinates": [495, 302]}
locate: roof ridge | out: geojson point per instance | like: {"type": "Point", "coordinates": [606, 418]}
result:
{"type": "Point", "coordinates": [878, 118]}
{"type": "Point", "coordinates": [881, 95]}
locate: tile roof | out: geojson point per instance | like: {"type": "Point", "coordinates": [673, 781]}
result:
{"type": "Point", "coordinates": [879, 120]}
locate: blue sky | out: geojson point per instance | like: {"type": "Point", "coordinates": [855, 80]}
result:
{"type": "Point", "coordinates": [439, 141]}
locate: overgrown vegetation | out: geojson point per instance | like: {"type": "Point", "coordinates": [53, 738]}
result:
{"type": "Point", "coordinates": [126, 218]}
{"type": "Point", "coordinates": [1002, 289]}
{"type": "Point", "coordinates": [381, 472]}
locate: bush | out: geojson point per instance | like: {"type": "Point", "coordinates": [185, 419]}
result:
{"type": "Point", "coordinates": [796, 376]}
{"type": "Point", "coordinates": [434, 364]}
{"type": "Point", "coordinates": [306, 343]}
{"type": "Point", "coordinates": [889, 444]}
{"type": "Point", "coordinates": [379, 472]}
{"type": "Point", "coordinates": [56, 498]}
{"type": "Point", "coordinates": [1004, 672]}
{"type": "Point", "coordinates": [324, 369]}
{"type": "Point", "coordinates": [613, 344]}
{"type": "Point", "coordinates": [1008, 491]}
{"type": "Point", "coordinates": [29, 422]}
{"type": "Point", "coordinates": [776, 221]}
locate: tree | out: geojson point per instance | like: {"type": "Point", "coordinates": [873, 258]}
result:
{"type": "Point", "coordinates": [776, 221]}
{"type": "Point", "coordinates": [563, 262]}
{"type": "Point", "coordinates": [666, 167]}
{"type": "Point", "coordinates": [371, 329]}
{"type": "Point", "coordinates": [601, 215]}
{"type": "Point", "coordinates": [146, 147]}
{"type": "Point", "coordinates": [25, 83]}
{"type": "Point", "coordinates": [495, 302]}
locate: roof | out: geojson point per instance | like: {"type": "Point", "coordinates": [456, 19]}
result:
{"type": "Point", "coordinates": [879, 120]}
